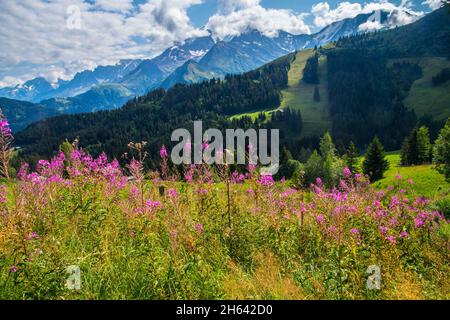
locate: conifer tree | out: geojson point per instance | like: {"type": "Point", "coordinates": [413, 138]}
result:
{"type": "Point", "coordinates": [316, 94]}
{"type": "Point", "coordinates": [423, 145]}
{"type": "Point", "coordinates": [375, 163]}
{"type": "Point", "coordinates": [351, 157]}
{"type": "Point", "coordinates": [442, 151]}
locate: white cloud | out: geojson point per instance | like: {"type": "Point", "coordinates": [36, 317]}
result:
{"type": "Point", "coordinates": [37, 41]}
{"type": "Point", "coordinates": [37, 34]}
{"type": "Point", "coordinates": [114, 5]}
{"type": "Point", "coordinates": [228, 6]}
{"type": "Point", "coordinates": [433, 4]}
{"type": "Point", "coordinates": [324, 15]}
{"type": "Point", "coordinates": [237, 16]}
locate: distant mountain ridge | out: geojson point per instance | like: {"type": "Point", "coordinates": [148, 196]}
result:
{"type": "Point", "coordinates": [192, 61]}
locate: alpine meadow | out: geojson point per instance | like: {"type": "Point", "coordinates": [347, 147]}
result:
{"type": "Point", "coordinates": [353, 109]}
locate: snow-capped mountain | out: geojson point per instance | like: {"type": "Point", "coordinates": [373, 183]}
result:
{"type": "Point", "coordinates": [253, 49]}
{"type": "Point", "coordinates": [84, 81]}
{"type": "Point", "coordinates": [29, 91]}
{"type": "Point", "coordinates": [149, 74]}
{"type": "Point", "coordinates": [346, 27]}
{"type": "Point", "coordinates": [194, 60]}
{"type": "Point", "coordinates": [180, 53]}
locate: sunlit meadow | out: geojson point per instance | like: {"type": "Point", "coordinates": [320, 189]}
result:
{"type": "Point", "coordinates": [209, 233]}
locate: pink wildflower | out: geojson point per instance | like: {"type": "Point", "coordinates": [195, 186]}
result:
{"type": "Point", "coordinates": [346, 173]}
{"type": "Point", "coordinates": [199, 228]}
{"type": "Point", "coordinates": [163, 152]}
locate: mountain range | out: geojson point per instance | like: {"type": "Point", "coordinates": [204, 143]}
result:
{"type": "Point", "coordinates": [194, 60]}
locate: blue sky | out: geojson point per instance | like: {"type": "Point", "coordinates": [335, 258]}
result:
{"type": "Point", "coordinates": [57, 38]}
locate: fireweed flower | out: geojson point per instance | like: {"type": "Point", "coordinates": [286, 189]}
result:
{"type": "Point", "coordinates": [172, 193]}
{"type": "Point", "coordinates": [346, 173]}
{"type": "Point", "coordinates": [404, 234]}
{"type": "Point", "coordinates": [383, 230]}
{"type": "Point", "coordinates": [5, 130]}
{"type": "Point", "coordinates": [33, 236]}
{"type": "Point", "coordinates": [392, 239]}
{"type": "Point", "coordinates": [343, 185]}
{"type": "Point", "coordinates": [320, 219]}
{"type": "Point", "coordinates": [358, 176]}
{"type": "Point", "coordinates": [153, 204]}
{"type": "Point", "coordinates": [266, 180]}
{"type": "Point", "coordinates": [202, 192]}
{"type": "Point", "coordinates": [189, 174]}
{"type": "Point", "coordinates": [288, 193]}
{"type": "Point", "coordinates": [199, 228]}
{"type": "Point", "coordinates": [237, 178]}
{"type": "Point", "coordinates": [163, 152]}
{"type": "Point", "coordinates": [3, 194]}
{"type": "Point", "coordinates": [14, 269]}
{"type": "Point", "coordinates": [319, 182]}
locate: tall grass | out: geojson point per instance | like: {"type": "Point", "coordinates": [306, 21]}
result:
{"type": "Point", "coordinates": [136, 237]}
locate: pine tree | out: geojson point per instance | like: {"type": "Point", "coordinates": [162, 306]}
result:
{"type": "Point", "coordinates": [423, 145]}
{"type": "Point", "coordinates": [327, 146]}
{"type": "Point", "coordinates": [351, 157]}
{"type": "Point", "coordinates": [416, 147]}
{"type": "Point", "coordinates": [316, 94]}
{"type": "Point", "coordinates": [404, 153]}
{"type": "Point", "coordinates": [311, 71]}
{"type": "Point", "coordinates": [442, 151]}
{"type": "Point", "coordinates": [410, 152]}
{"type": "Point", "coordinates": [375, 163]}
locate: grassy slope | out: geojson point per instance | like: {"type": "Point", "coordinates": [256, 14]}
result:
{"type": "Point", "coordinates": [426, 98]}
{"type": "Point", "coordinates": [300, 96]}
{"type": "Point", "coordinates": [427, 181]}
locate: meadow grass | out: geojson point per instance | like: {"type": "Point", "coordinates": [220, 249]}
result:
{"type": "Point", "coordinates": [211, 234]}
{"type": "Point", "coordinates": [424, 98]}
{"type": "Point", "coordinates": [300, 96]}
{"type": "Point", "coordinates": [427, 181]}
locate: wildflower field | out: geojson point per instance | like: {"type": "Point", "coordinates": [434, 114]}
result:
{"type": "Point", "coordinates": [213, 235]}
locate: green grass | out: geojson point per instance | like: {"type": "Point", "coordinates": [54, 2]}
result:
{"type": "Point", "coordinates": [252, 115]}
{"type": "Point", "coordinates": [298, 95]}
{"type": "Point", "coordinates": [427, 181]}
{"type": "Point", "coordinates": [424, 98]}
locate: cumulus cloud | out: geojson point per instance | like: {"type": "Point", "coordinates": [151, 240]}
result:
{"type": "Point", "coordinates": [323, 15]}
{"type": "Point", "coordinates": [399, 14]}
{"type": "Point", "coordinates": [38, 33]}
{"type": "Point", "coordinates": [227, 6]}
{"type": "Point", "coordinates": [433, 4]}
{"type": "Point", "coordinates": [237, 16]}
{"type": "Point", "coordinates": [115, 5]}
{"type": "Point", "coordinates": [39, 41]}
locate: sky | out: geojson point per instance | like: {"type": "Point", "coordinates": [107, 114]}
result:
{"type": "Point", "coordinates": [55, 39]}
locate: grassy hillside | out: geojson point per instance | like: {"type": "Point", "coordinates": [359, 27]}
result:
{"type": "Point", "coordinates": [300, 95]}
{"type": "Point", "coordinates": [424, 98]}
{"type": "Point", "coordinates": [427, 181]}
